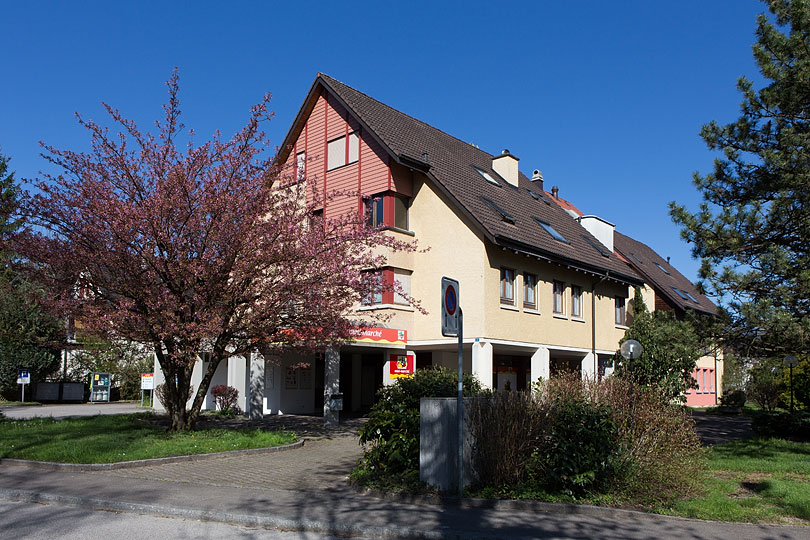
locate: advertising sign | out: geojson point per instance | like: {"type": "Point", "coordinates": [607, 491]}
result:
{"type": "Point", "coordinates": [380, 336]}
{"type": "Point", "coordinates": [147, 381]}
{"type": "Point", "coordinates": [402, 365]}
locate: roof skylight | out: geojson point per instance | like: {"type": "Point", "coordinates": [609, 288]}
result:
{"type": "Point", "coordinates": [551, 230]}
{"type": "Point", "coordinates": [681, 293]}
{"type": "Point", "coordinates": [692, 298]}
{"type": "Point", "coordinates": [506, 216]}
{"type": "Point", "coordinates": [598, 247]}
{"type": "Point", "coordinates": [636, 258]}
{"type": "Point", "coordinates": [662, 268]}
{"type": "Point", "coordinates": [487, 176]}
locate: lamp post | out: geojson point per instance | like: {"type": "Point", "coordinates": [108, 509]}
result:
{"type": "Point", "coordinates": [791, 361]}
{"type": "Point", "coordinates": [630, 350]}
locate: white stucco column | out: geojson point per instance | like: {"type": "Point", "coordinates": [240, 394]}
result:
{"type": "Point", "coordinates": [587, 366]}
{"type": "Point", "coordinates": [482, 362]}
{"type": "Point", "coordinates": [331, 385]}
{"type": "Point", "coordinates": [540, 365]}
{"type": "Point", "coordinates": [255, 397]}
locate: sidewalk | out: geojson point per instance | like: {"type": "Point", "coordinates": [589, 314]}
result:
{"type": "Point", "coordinates": [305, 489]}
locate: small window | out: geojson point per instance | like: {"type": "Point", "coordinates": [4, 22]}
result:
{"type": "Point", "coordinates": [621, 311]}
{"type": "Point", "coordinates": [551, 230]}
{"type": "Point", "coordinates": [576, 301]}
{"type": "Point", "coordinates": [692, 298]}
{"type": "Point", "coordinates": [598, 247]}
{"type": "Point", "coordinates": [403, 279]}
{"type": "Point", "coordinates": [681, 293]}
{"type": "Point", "coordinates": [486, 176]}
{"type": "Point", "coordinates": [375, 212]}
{"type": "Point", "coordinates": [559, 298]}
{"type": "Point", "coordinates": [664, 270]}
{"type": "Point", "coordinates": [507, 286]}
{"type": "Point", "coordinates": [529, 291]}
{"type": "Point", "coordinates": [354, 147]}
{"type": "Point", "coordinates": [301, 165]}
{"type": "Point", "coordinates": [375, 295]}
{"type": "Point", "coordinates": [506, 216]}
{"type": "Point", "coordinates": [400, 213]}
{"type": "Point", "coordinates": [339, 154]}
{"type": "Point", "coordinates": [636, 258]}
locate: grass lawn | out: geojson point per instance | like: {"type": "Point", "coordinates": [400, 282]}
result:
{"type": "Point", "coordinates": [113, 438]}
{"type": "Point", "coordinates": [756, 480]}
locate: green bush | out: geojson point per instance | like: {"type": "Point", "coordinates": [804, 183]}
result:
{"type": "Point", "coordinates": [735, 399]}
{"type": "Point", "coordinates": [391, 435]}
{"type": "Point", "coordinates": [782, 425]}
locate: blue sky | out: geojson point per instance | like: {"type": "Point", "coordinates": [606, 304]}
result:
{"type": "Point", "coordinates": [606, 98]}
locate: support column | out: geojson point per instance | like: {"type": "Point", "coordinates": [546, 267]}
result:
{"type": "Point", "coordinates": [357, 381]}
{"type": "Point", "coordinates": [587, 366]}
{"type": "Point", "coordinates": [255, 398]}
{"type": "Point", "coordinates": [331, 385]}
{"type": "Point", "coordinates": [540, 368]}
{"type": "Point", "coordinates": [482, 362]}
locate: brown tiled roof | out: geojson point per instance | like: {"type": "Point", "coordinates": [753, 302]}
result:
{"type": "Point", "coordinates": [450, 162]}
{"type": "Point", "coordinates": [651, 266]}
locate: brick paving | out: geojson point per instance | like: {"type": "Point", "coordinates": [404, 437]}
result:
{"type": "Point", "coordinates": [322, 464]}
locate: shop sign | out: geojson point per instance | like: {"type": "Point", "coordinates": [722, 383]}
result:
{"type": "Point", "coordinates": [382, 336]}
{"type": "Point", "coordinates": [147, 381]}
{"type": "Point", "coordinates": [402, 365]}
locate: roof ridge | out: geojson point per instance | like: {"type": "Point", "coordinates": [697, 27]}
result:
{"type": "Point", "coordinates": [329, 78]}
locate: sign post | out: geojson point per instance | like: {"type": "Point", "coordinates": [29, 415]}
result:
{"type": "Point", "coordinates": [23, 378]}
{"type": "Point", "coordinates": [453, 325]}
{"type": "Point", "coordinates": [148, 383]}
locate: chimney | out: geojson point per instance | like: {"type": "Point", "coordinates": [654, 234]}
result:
{"type": "Point", "coordinates": [555, 192]}
{"type": "Point", "coordinates": [506, 165]}
{"type": "Point", "coordinates": [537, 179]}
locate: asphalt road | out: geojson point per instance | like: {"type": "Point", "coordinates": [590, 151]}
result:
{"type": "Point", "coordinates": [45, 522]}
{"type": "Point", "coordinates": [72, 410]}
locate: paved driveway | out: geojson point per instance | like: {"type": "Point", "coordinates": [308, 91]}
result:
{"type": "Point", "coordinates": [60, 411]}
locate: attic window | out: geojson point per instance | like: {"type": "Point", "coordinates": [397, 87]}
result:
{"type": "Point", "coordinates": [692, 298]}
{"type": "Point", "coordinates": [681, 293]}
{"type": "Point", "coordinates": [551, 230]}
{"type": "Point", "coordinates": [662, 269]}
{"type": "Point", "coordinates": [636, 258]}
{"type": "Point", "coordinates": [595, 245]}
{"type": "Point", "coordinates": [537, 197]}
{"type": "Point", "coordinates": [487, 176]}
{"type": "Point", "coordinates": [506, 216]}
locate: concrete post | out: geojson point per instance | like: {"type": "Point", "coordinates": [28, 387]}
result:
{"type": "Point", "coordinates": [255, 398]}
{"type": "Point", "coordinates": [540, 368]}
{"type": "Point", "coordinates": [331, 385]}
{"type": "Point", "coordinates": [482, 362]}
{"type": "Point", "coordinates": [587, 366]}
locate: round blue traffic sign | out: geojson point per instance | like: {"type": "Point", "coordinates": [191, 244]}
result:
{"type": "Point", "coordinates": [450, 300]}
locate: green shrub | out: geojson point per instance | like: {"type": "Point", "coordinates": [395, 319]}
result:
{"type": "Point", "coordinates": [735, 399]}
{"type": "Point", "coordinates": [391, 435]}
{"type": "Point", "coordinates": [783, 425]}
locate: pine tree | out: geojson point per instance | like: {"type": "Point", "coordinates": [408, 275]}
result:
{"type": "Point", "coordinates": [752, 230]}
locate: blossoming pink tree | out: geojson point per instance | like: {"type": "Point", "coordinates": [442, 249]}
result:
{"type": "Point", "coordinates": [195, 250]}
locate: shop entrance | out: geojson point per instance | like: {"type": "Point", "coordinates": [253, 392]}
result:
{"type": "Point", "coordinates": [510, 373]}
{"type": "Point", "coordinates": [361, 375]}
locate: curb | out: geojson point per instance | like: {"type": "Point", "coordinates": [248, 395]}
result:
{"type": "Point", "coordinates": [284, 524]}
{"type": "Point", "coordinates": [54, 466]}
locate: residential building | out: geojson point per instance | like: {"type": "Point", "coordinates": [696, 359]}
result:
{"type": "Point", "coordinates": [540, 292]}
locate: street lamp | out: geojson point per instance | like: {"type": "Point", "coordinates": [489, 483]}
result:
{"type": "Point", "coordinates": [630, 350]}
{"type": "Point", "coordinates": [791, 361]}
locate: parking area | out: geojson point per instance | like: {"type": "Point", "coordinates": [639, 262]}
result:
{"type": "Point", "coordinates": [70, 410]}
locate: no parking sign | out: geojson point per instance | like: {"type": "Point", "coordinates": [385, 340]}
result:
{"type": "Point", "coordinates": [449, 307]}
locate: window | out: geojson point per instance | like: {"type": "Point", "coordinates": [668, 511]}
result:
{"type": "Point", "coordinates": [486, 176]}
{"type": "Point", "coordinates": [375, 212]}
{"type": "Point", "coordinates": [339, 154]}
{"type": "Point", "coordinates": [598, 247]}
{"type": "Point", "coordinates": [506, 216]}
{"type": "Point", "coordinates": [529, 291]}
{"type": "Point", "coordinates": [375, 295]}
{"type": "Point", "coordinates": [576, 301]}
{"type": "Point", "coordinates": [507, 286]}
{"type": "Point", "coordinates": [551, 230]}
{"type": "Point", "coordinates": [559, 298]}
{"type": "Point", "coordinates": [400, 213]}
{"type": "Point", "coordinates": [301, 165]}
{"type": "Point", "coordinates": [621, 311]}
{"type": "Point", "coordinates": [403, 280]}
{"type": "Point", "coordinates": [664, 270]}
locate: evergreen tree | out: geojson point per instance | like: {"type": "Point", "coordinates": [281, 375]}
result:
{"type": "Point", "coordinates": [752, 230]}
{"type": "Point", "coordinates": [670, 350]}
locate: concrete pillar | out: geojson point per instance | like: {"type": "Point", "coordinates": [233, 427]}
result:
{"type": "Point", "coordinates": [331, 385]}
{"type": "Point", "coordinates": [540, 368]}
{"type": "Point", "coordinates": [588, 366]}
{"type": "Point", "coordinates": [482, 362]}
{"type": "Point", "coordinates": [357, 380]}
{"type": "Point", "coordinates": [255, 397]}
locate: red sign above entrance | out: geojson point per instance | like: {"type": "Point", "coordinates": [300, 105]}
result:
{"type": "Point", "coordinates": [381, 336]}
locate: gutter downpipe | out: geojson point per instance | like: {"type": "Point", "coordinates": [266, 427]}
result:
{"type": "Point", "coordinates": [593, 324]}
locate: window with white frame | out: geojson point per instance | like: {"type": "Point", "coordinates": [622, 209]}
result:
{"type": "Point", "coordinates": [375, 294]}
{"type": "Point", "coordinates": [559, 298]}
{"type": "Point", "coordinates": [621, 311]}
{"type": "Point", "coordinates": [300, 165]}
{"type": "Point", "coordinates": [402, 289]}
{"type": "Point", "coordinates": [576, 301]}
{"type": "Point", "coordinates": [339, 153]}
{"type": "Point", "coordinates": [507, 286]}
{"type": "Point", "coordinates": [529, 291]}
